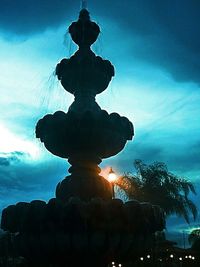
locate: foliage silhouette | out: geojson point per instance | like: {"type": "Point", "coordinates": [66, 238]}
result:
{"type": "Point", "coordinates": [155, 184]}
{"type": "Point", "coordinates": [194, 239]}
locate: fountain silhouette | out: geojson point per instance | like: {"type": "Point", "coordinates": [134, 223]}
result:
{"type": "Point", "coordinates": [82, 225]}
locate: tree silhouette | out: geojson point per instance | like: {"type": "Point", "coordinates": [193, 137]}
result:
{"type": "Point", "coordinates": [155, 184]}
{"type": "Point", "coordinates": [194, 239]}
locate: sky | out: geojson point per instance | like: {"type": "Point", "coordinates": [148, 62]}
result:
{"type": "Point", "coordinates": [155, 48]}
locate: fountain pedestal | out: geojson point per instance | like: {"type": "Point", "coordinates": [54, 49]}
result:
{"type": "Point", "coordinates": [82, 225]}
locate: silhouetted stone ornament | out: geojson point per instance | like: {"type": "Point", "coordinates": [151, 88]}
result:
{"type": "Point", "coordinates": [84, 32]}
{"type": "Point", "coordinates": [87, 230]}
{"type": "Point", "coordinates": [84, 187]}
{"type": "Point", "coordinates": [85, 74]}
{"type": "Point", "coordinates": [82, 225]}
{"type": "Point", "coordinates": [101, 134]}
{"type": "Point", "coordinates": [9, 219]}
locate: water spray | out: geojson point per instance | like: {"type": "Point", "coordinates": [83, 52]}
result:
{"type": "Point", "coordinates": [83, 4]}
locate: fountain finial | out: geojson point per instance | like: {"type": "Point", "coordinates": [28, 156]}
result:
{"type": "Point", "coordinates": [84, 32]}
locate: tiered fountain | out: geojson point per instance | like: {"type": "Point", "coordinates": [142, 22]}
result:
{"type": "Point", "coordinates": [82, 225]}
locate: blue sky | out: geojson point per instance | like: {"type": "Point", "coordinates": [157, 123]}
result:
{"type": "Point", "coordinates": [155, 48]}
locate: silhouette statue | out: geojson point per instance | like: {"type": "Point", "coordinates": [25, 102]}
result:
{"type": "Point", "coordinates": [82, 225]}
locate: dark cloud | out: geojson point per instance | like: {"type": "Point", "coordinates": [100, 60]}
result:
{"type": "Point", "coordinates": [23, 179]}
{"type": "Point", "coordinates": [4, 162]}
{"type": "Point", "coordinates": [8, 163]}
{"type": "Point", "coordinates": [168, 31]}
{"type": "Point", "coordinates": [19, 171]}
{"type": "Point", "coordinates": [6, 159]}
{"type": "Point", "coordinates": [124, 161]}
{"type": "Point", "coordinates": [181, 159]}
{"type": "Point", "coordinates": [23, 17]}
{"type": "Point", "coordinates": [186, 158]}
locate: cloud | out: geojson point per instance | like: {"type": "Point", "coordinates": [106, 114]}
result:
{"type": "Point", "coordinates": [4, 162]}
{"type": "Point", "coordinates": [9, 162]}
{"type": "Point", "coordinates": [28, 17]}
{"type": "Point", "coordinates": [186, 158]}
{"type": "Point", "coordinates": [22, 179]}
{"type": "Point", "coordinates": [167, 34]}
{"type": "Point", "coordinates": [6, 159]}
{"type": "Point", "coordinates": [163, 33]}
{"type": "Point", "coordinates": [181, 156]}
